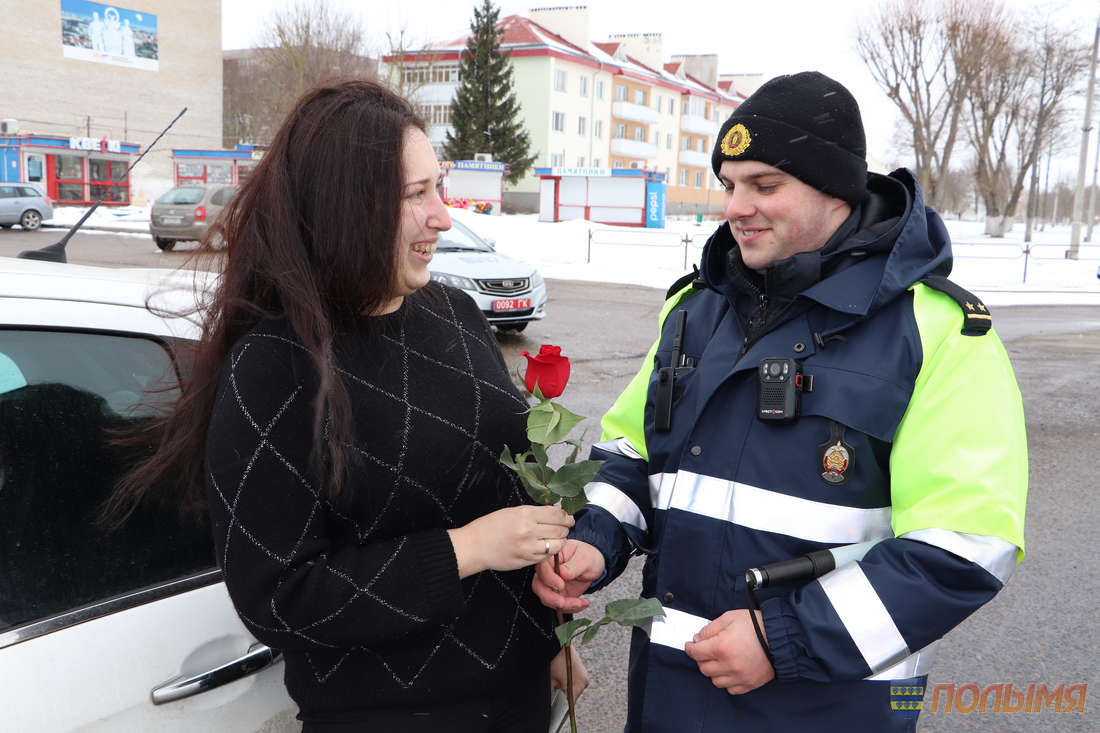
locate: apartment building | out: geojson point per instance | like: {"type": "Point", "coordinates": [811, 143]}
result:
{"type": "Point", "coordinates": [594, 105]}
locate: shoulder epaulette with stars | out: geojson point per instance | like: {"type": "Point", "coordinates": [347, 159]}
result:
{"type": "Point", "coordinates": [976, 318]}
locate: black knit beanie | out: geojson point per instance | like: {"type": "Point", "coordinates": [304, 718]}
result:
{"type": "Point", "coordinates": [806, 125]}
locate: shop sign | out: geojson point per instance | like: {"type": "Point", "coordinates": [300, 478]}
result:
{"type": "Point", "coordinates": [102, 145]}
{"type": "Point", "coordinates": [480, 165]}
{"type": "Point", "coordinates": [580, 172]}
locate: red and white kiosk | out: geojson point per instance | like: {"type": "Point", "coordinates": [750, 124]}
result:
{"type": "Point", "coordinates": [623, 196]}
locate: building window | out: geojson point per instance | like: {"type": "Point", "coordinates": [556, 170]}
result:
{"type": "Point", "coordinates": [685, 143]}
{"type": "Point", "coordinates": [700, 144]}
{"type": "Point", "coordinates": [559, 80]}
{"type": "Point", "coordinates": [672, 107]}
{"type": "Point", "coordinates": [555, 160]}
{"type": "Point", "coordinates": [101, 174]}
{"type": "Point", "coordinates": [656, 138]}
{"type": "Point", "coordinates": [69, 172]}
{"type": "Point", "coordinates": [595, 162]}
{"type": "Point", "coordinates": [597, 128]}
{"type": "Point", "coordinates": [698, 179]}
{"type": "Point", "coordinates": [599, 89]}
{"type": "Point", "coordinates": [620, 93]}
{"type": "Point", "coordinates": [683, 177]}
{"type": "Point", "coordinates": [668, 141]}
{"type": "Point", "coordinates": [559, 122]}
{"type": "Point", "coordinates": [634, 164]}
{"type": "Point", "coordinates": [444, 74]}
{"type": "Point", "coordinates": [435, 114]}
{"type": "Point", "coordinates": [582, 124]}
{"type": "Point", "coordinates": [584, 86]}
{"type": "Point", "coordinates": [580, 161]}
{"type": "Point", "coordinates": [639, 97]}
{"type": "Point", "coordinates": [620, 131]}
{"type": "Point", "coordinates": [618, 164]}
{"type": "Point", "coordinates": [639, 134]}
{"type": "Point", "coordinates": [660, 103]}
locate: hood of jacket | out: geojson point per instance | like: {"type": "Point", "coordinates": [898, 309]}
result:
{"type": "Point", "coordinates": [890, 241]}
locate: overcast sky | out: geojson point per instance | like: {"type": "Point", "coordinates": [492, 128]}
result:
{"type": "Point", "coordinates": [768, 37]}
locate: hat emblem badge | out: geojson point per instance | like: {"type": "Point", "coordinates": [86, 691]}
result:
{"type": "Point", "coordinates": [736, 140]}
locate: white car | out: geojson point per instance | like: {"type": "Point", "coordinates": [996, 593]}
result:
{"type": "Point", "coordinates": [510, 293]}
{"type": "Point", "coordinates": [107, 631]}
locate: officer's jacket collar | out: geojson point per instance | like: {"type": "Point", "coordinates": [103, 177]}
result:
{"type": "Point", "coordinates": [890, 241]}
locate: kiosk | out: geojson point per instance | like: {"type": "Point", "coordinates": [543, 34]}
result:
{"type": "Point", "coordinates": [214, 166]}
{"type": "Point", "coordinates": [70, 170]}
{"type": "Point", "coordinates": [475, 181]}
{"type": "Point", "coordinates": [623, 196]}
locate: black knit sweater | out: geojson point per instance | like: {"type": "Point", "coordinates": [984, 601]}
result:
{"type": "Point", "coordinates": [362, 593]}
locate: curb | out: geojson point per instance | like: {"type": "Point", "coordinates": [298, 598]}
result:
{"type": "Point", "coordinates": [98, 228]}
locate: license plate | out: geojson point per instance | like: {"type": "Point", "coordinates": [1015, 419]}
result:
{"type": "Point", "coordinates": [511, 304]}
{"type": "Point", "coordinates": [171, 219]}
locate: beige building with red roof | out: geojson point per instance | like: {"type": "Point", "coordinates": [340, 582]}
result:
{"type": "Point", "coordinates": [602, 105]}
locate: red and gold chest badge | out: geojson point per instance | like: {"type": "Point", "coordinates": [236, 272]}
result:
{"type": "Point", "coordinates": [736, 140]}
{"type": "Point", "coordinates": [835, 461]}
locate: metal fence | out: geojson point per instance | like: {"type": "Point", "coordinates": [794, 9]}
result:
{"type": "Point", "coordinates": [691, 247]}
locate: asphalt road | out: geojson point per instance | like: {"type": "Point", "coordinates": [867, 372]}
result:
{"type": "Point", "coordinates": [1042, 628]}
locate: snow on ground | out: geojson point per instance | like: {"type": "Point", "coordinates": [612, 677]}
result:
{"type": "Point", "coordinates": [1001, 271]}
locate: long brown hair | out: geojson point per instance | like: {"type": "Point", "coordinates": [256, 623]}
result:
{"type": "Point", "coordinates": [310, 237]}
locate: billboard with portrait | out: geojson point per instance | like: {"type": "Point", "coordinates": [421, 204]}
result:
{"type": "Point", "coordinates": [108, 34]}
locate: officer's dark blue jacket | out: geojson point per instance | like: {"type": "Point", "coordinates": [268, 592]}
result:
{"type": "Point", "coordinates": [912, 441]}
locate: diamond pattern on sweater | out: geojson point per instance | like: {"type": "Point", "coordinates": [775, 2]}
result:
{"type": "Point", "coordinates": [397, 477]}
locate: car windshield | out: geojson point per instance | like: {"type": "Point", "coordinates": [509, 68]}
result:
{"type": "Point", "coordinates": [182, 195]}
{"type": "Point", "coordinates": [460, 238]}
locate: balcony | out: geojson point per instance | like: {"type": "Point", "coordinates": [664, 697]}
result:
{"type": "Point", "coordinates": [634, 112]}
{"type": "Point", "coordinates": [698, 125]}
{"type": "Point", "coordinates": [695, 159]}
{"type": "Point", "coordinates": [633, 148]}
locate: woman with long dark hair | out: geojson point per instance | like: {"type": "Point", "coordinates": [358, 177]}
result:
{"type": "Point", "coordinates": [342, 424]}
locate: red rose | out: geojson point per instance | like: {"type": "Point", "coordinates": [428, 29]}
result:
{"type": "Point", "coordinates": [550, 370]}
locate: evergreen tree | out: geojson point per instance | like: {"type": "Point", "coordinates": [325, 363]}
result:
{"type": "Point", "coordinates": [484, 112]}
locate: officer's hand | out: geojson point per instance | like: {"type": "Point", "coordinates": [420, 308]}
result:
{"type": "Point", "coordinates": [579, 565]}
{"type": "Point", "coordinates": [728, 652]}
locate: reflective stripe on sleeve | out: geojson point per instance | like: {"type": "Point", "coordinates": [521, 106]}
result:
{"type": "Point", "coordinates": [769, 511]}
{"type": "Point", "coordinates": [622, 447]}
{"type": "Point", "coordinates": [914, 665]}
{"type": "Point", "coordinates": [674, 629]}
{"type": "Point", "coordinates": [997, 556]}
{"type": "Point", "coordinates": [864, 617]}
{"type": "Point", "coordinates": [618, 504]}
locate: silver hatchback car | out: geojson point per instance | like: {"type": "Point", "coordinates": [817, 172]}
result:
{"type": "Point", "coordinates": [186, 212]}
{"type": "Point", "coordinates": [23, 204]}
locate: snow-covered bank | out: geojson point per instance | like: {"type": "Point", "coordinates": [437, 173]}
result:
{"type": "Point", "coordinates": [584, 250]}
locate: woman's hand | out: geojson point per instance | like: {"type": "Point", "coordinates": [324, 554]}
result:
{"type": "Point", "coordinates": [558, 676]}
{"type": "Point", "coordinates": [509, 539]}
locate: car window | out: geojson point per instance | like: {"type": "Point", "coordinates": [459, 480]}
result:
{"type": "Point", "coordinates": [65, 396]}
{"type": "Point", "coordinates": [183, 195]}
{"type": "Point", "coordinates": [221, 198]}
{"type": "Point", "coordinates": [7, 192]}
{"type": "Point", "coordinates": [460, 237]}
{"type": "Point", "coordinates": [28, 191]}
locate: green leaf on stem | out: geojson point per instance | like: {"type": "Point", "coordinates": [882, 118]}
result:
{"type": "Point", "coordinates": [576, 443]}
{"type": "Point", "coordinates": [539, 452]}
{"type": "Point", "coordinates": [573, 504]}
{"type": "Point", "coordinates": [590, 632]}
{"type": "Point", "coordinates": [571, 478]}
{"type": "Point", "coordinates": [633, 611]}
{"type": "Point", "coordinates": [549, 423]}
{"type": "Point", "coordinates": [565, 631]}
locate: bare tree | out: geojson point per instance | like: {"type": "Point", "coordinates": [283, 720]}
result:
{"type": "Point", "coordinates": [301, 46]}
{"type": "Point", "coordinates": [910, 48]}
{"type": "Point", "coordinates": [1015, 104]}
{"type": "Point", "coordinates": [409, 66]}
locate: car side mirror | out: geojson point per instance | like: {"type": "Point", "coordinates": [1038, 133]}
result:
{"type": "Point", "coordinates": [491, 242]}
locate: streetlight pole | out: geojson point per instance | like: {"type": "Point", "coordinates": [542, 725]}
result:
{"type": "Point", "coordinates": [1078, 198]}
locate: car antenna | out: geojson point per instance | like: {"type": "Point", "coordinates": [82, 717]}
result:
{"type": "Point", "coordinates": [56, 252]}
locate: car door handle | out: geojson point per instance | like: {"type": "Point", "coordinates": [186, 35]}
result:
{"type": "Point", "coordinates": [258, 656]}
